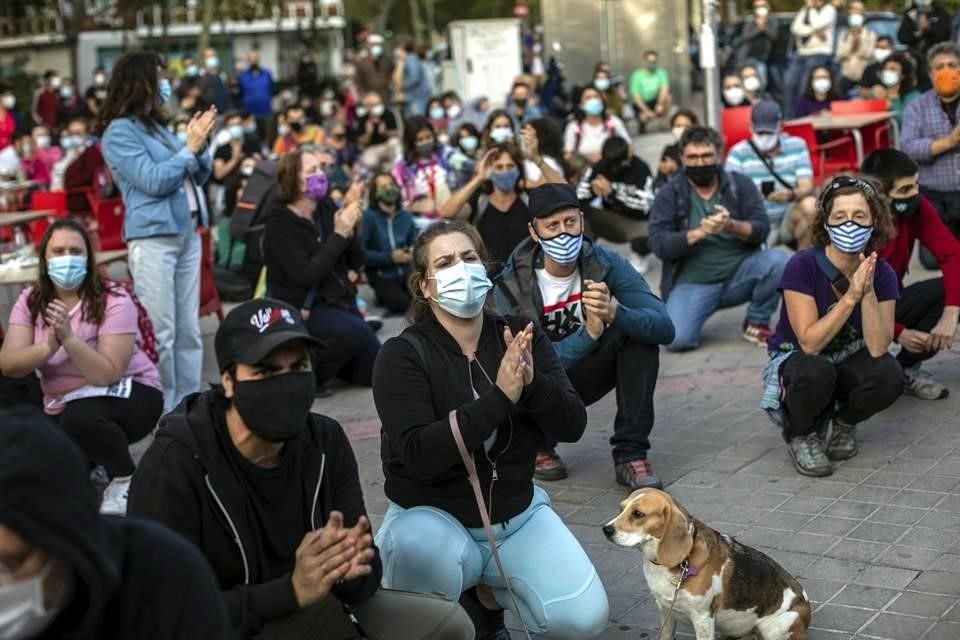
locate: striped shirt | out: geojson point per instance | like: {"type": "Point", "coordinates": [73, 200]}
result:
{"type": "Point", "coordinates": [924, 121]}
{"type": "Point", "coordinates": [792, 162]}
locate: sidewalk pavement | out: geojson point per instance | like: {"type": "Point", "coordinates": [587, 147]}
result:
{"type": "Point", "coordinates": [876, 545]}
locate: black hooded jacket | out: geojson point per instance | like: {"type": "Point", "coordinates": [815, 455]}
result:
{"type": "Point", "coordinates": [133, 580]}
{"type": "Point", "coordinates": [185, 481]}
{"type": "Point", "coordinates": [415, 394]}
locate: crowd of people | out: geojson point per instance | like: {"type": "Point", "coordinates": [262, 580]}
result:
{"type": "Point", "coordinates": [491, 230]}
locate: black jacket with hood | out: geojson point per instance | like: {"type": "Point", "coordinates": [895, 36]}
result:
{"type": "Point", "coordinates": [414, 396]}
{"type": "Point", "coordinates": [301, 255]}
{"type": "Point", "coordinates": [186, 482]}
{"type": "Point", "coordinates": [133, 580]}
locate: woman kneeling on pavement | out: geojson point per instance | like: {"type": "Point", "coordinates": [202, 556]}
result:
{"type": "Point", "coordinates": [80, 334]}
{"type": "Point", "coordinates": [505, 397]}
{"type": "Point", "coordinates": [829, 368]}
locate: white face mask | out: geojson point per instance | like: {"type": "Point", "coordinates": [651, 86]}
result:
{"type": "Point", "coordinates": [99, 79]}
{"type": "Point", "coordinates": [55, 82]}
{"type": "Point", "coordinates": [890, 77]}
{"type": "Point", "coordinates": [43, 142]}
{"type": "Point", "coordinates": [764, 141]}
{"type": "Point", "coordinates": [762, 11]}
{"type": "Point", "coordinates": [881, 54]}
{"type": "Point", "coordinates": [677, 132]}
{"type": "Point", "coordinates": [22, 611]}
{"type": "Point", "coordinates": [9, 101]}
{"type": "Point", "coordinates": [855, 20]}
{"type": "Point", "coordinates": [821, 85]}
{"type": "Point", "coordinates": [733, 95]}
{"type": "Point", "coordinates": [751, 84]}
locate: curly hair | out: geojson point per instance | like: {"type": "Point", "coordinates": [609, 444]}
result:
{"type": "Point", "coordinates": [877, 202]}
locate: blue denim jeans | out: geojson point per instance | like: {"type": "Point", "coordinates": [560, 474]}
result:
{"type": "Point", "coordinates": [166, 278]}
{"type": "Point", "coordinates": [425, 549]}
{"type": "Point", "coordinates": [755, 281]}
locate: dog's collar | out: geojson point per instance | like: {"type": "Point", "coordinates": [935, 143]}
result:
{"type": "Point", "coordinates": [687, 568]}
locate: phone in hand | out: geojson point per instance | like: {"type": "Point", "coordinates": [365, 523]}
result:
{"type": "Point", "coordinates": [767, 187]}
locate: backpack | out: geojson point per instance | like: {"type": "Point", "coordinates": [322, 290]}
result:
{"type": "Point", "coordinates": [146, 339]}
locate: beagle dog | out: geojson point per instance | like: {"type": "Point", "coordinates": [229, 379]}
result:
{"type": "Point", "coordinates": [722, 587]}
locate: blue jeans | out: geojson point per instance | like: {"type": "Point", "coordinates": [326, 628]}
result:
{"type": "Point", "coordinates": [755, 281]}
{"type": "Point", "coordinates": [166, 278]}
{"type": "Point", "coordinates": [795, 79]}
{"type": "Point", "coordinates": [560, 595]}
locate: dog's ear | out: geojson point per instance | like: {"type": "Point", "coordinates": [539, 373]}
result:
{"type": "Point", "coordinates": [676, 541]}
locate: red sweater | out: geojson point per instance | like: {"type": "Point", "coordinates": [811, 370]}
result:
{"type": "Point", "coordinates": [927, 227]}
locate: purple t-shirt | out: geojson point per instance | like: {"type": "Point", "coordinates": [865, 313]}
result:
{"type": "Point", "coordinates": [804, 275]}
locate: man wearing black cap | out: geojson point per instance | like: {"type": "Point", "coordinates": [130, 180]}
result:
{"type": "Point", "coordinates": [68, 572]}
{"type": "Point", "coordinates": [604, 322]}
{"type": "Point", "coordinates": [779, 165]}
{"type": "Point", "coordinates": [270, 494]}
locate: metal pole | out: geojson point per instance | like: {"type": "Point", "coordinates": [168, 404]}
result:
{"type": "Point", "coordinates": [708, 62]}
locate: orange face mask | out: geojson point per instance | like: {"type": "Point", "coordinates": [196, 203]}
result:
{"type": "Point", "coordinates": [946, 82]}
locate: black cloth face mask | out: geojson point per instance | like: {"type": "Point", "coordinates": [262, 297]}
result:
{"type": "Point", "coordinates": [276, 408]}
{"type": "Point", "coordinates": [702, 175]}
{"type": "Point", "coordinates": [904, 208]}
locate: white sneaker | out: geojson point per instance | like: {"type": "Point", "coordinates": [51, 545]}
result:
{"type": "Point", "coordinates": [640, 263]}
{"type": "Point", "coordinates": [115, 497]}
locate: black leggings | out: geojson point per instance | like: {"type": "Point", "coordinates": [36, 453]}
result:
{"type": "Point", "coordinates": [861, 385]}
{"type": "Point", "coordinates": [919, 307]}
{"type": "Point", "coordinates": [104, 428]}
{"type": "Point", "coordinates": [392, 293]}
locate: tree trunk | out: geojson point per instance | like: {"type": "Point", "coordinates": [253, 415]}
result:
{"type": "Point", "coordinates": [416, 22]}
{"type": "Point", "coordinates": [383, 12]}
{"type": "Point", "coordinates": [206, 19]}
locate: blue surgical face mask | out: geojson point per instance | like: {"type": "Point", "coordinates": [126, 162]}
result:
{"type": "Point", "coordinates": [563, 249]}
{"type": "Point", "coordinates": [164, 91]}
{"type": "Point", "coordinates": [849, 237]}
{"type": "Point", "coordinates": [182, 136]}
{"type": "Point", "coordinates": [593, 107]}
{"type": "Point", "coordinates": [236, 131]}
{"type": "Point", "coordinates": [505, 180]}
{"type": "Point", "coordinates": [67, 272]}
{"type": "Point", "coordinates": [501, 134]}
{"type": "Point", "coordinates": [601, 84]}
{"type": "Point", "coordinates": [437, 113]}
{"type": "Point", "coordinates": [468, 143]}
{"type": "Point", "coordinates": [462, 289]}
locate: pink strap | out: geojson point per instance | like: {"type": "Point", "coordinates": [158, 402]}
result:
{"type": "Point", "coordinates": [484, 516]}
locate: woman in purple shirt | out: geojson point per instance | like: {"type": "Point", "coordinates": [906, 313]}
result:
{"type": "Point", "coordinates": [820, 91]}
{"type": "Point", "coordinates": [829, 367]}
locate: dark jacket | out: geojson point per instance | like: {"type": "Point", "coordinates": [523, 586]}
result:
{"type": "Point", "coordinates": [134, 580]}
{"type": "Point", "coordinates": [632, 189]}
{"type": "Point", "coordinates": [671, 212]}
{"type": "Point", "coordinates": [301, 255]}
{"type": "Point", "coordinates": [421, 463]}
{"type": "Point", "coordinates": [938, 29]}
{"type": "Point", "coordinates": [186, 482]}
{"type": "Point", "coordinates": [641, 314]}
{"type": "Point", "coordinates": [382, 234]}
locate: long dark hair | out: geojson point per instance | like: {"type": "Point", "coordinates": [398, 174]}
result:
{"type": "Point", "coordinates": [132, 91]}
{"type": "Point", "coordinates": [485, 141]}
{"type": "Point", "coordinates": [92, 291]}
{"type": "Point", "coordinates": [420, 306]}
{"type": "Point", "coordinates": [411, 127]}
{"type": "Point", "coordinates": [833, 94]}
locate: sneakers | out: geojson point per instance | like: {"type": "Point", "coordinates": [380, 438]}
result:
{"type": "Point", "coordinates": [808, 456]}
{"type": "Point", "coordinates": [100, 480]}
{"type": "Point", "coordinates": [841, 441]}
{"type": "Point", "coordinates": [640, 263]}
{"type": "Point", "coordinates": [488, 623]}
{"type": "Point", "coordinates": [637, 474]}
{"type": "Point", "coordinates": [756, 333]}
{"type": "Point", "coordinates": [374, 322]}
{"type": "Point", "coordinates": [549, 466]}
{"type": "Point", "coordinates": [920, 384]}
{"type": "Point", "coordinates": [115, 497]}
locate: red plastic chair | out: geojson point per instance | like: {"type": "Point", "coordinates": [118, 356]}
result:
{"type": "Point", "coordinates": [736, 125]}
{"type": "Point", "coordinates": [823, 165]}
{"type": "Point", "coordinates": [875, 136]}
{"type": "Point", "coordinates": [209, 296]}
{"type": "Point", "coordinates": [109, 230]}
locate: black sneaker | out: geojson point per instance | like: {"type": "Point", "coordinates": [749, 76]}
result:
{"type": "Point", "coordinates": [637, 474]}
{"type": "Point", "coordinates": [489, 624]}
{"type": "Point", "coordinates": [549, 466]}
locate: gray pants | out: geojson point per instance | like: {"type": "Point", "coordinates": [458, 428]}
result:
{"type": "Point", "coordinates": [388, 615]}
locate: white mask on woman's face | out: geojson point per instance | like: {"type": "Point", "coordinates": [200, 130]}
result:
{"type": "Point", "coordinates": [821, 85]}
{"type": "Point", "coordinates": [752, 84]}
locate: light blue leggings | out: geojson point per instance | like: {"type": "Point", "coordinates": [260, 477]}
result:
{"type": "Point", "coordinates": [560, 595]}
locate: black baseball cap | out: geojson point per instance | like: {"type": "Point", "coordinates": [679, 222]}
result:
{"type": "Point", "coordinates": [255, 328]}
{"type": "Point", "coordinates": [551, 197]}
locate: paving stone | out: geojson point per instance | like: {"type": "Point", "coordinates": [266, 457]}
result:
{"type": "Point", "coordinates": [922, 604]}
{"type": "Point", "coordinates": [839, 618]}
{"type": "Point", "coordinates": [928, 538]}
{"type": "Point", "coordinates": [941, 520]}
{"type": "Point", "coordinates": [869, 493]}
{"type": "Point", "coordinates": [820, 591]}
{"type": "Point", "coordinates": [947, 562]}
{"type": "Point", "coordinates": [859, 550]}
{"type": "Point", "coordinates": [831, 526]}
{"type": "Point", "coordinates": [806, 504]}
{"type": "Point", "coordinates": [921, 499]}
{"type": "Point", "coordinates": [880, 576]}
{"type": "Point", "coordinates": [897, 627]}
{"type": "Point", "coordinates": [941, 582]}
{"type": "Point", "coordinates": [898, 515]}
{"type": "Point", "coordinates": [878, 532]}
{"type": "Point", "coordinates": [908, 557]}
{"type": "Point", "coordinates": [850, 509]}
{"type": "Point", "coordinates": [842, 571]}
{"type": "Point", "coordinates": [943, 631]}
{"type": "Point", "coordinates": [858, 595]}
{"type": "Point", "coordinates": [785, 521]}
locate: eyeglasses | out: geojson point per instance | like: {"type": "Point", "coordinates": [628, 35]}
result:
{"type": "Point", "coordinates": [702, 158]}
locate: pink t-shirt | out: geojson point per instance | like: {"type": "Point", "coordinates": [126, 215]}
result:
{"type": "Point", "coordinates": [58, 375]}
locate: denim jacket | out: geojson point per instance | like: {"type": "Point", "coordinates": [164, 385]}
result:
{"type": "Point", "coordinates": [150, 168]}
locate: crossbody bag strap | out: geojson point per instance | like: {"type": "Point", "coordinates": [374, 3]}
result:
{"type": "Point", "coordinates": [836, 278]}
{"type": "Point", "coordinates": [484, 516]}
{"type": "Point", "coordinates": [769, 165]}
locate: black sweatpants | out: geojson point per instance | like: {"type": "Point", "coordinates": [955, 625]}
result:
{"type": "Point", "coordinates": [104, 428]}
{"type": "Point", "coordinates": [629, 366]}
{"type": "Point", "coordinates": [919, 307]}
{"type": "Point", "coordinates": [859, 387]}
{"type": "Point", "coordinates": [392, 293]}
